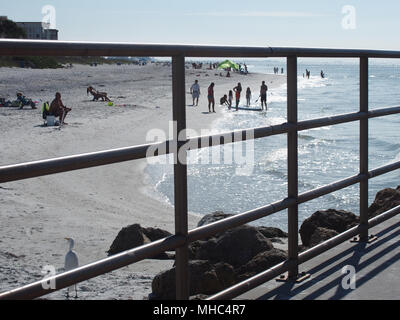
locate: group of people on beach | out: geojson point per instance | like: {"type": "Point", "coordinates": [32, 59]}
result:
{"type": "Point", "coordinates": [56, 108]}
{"type": "Point", "coordinates": [21, 102]}
{"type": "Point", "coordinates": [227, 99]}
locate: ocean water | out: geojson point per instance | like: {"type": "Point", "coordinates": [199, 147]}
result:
{"type": "Point", "coordinates": [326, 154]}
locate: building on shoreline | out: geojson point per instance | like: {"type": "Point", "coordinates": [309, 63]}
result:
{"type": "Point", "coordinates": [38, 30]}
{"type": "Point", "coordinates": [33, 30]}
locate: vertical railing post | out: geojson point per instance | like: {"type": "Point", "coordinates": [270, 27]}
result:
{"type": "Point", "coordinates": [364, 148]}
{"type": "Point", "coordinates": [293, 190]}
{"type": "Point", "coordinates": [180, 175]}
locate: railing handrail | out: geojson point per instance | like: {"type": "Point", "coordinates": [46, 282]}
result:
{"type": "Point", "coordinates": [10, 173]}
{"type": "Point", "coordinates": [183, 236]}
{"type": "Point", "coordinates": [16, 47]}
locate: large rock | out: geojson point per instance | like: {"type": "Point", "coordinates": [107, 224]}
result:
{"type": "Point", "coordinates": [385, 200]}
{"type": "Point", "coordinates": [205, 250]}
{"type": "Point", "coordinates": [155, 234]}
{"type": "Point", "coordinates": [336, 220]}
{"type": "Point", "coordinates": [268, 232]}
{"type": "Point", "coordinates": [320, 235]}
{"type": "Point", "coordinates": [213, 217]}
{"type": "Point", "coordinates": [272, 233]}
{"type": "Point", "coordinates": [260, 263]}
{"type": "Point", "coordinates": [135, 236]}
{"type": "Point", "coordinates": [235, 247]}
{"type": "Point", "coordinates": [238, 246]}
{"type": "Point", "coordinates": [204, 279]}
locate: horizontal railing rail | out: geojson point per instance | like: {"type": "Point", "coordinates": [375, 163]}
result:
{"type": "Point", "coordinates": [180, 241]}
{"type": "Point", "coordinates": [95, 159]}
{"type": "Point", "coordinates": [76, 48]}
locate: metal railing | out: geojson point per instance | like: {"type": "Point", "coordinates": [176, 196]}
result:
{"type": "Point", "coordinates": [183, 237]}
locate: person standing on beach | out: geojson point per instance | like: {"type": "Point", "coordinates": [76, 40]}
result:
{"type": "Point", "coordinates": [263, 94]}
{"type": "Point", "coordinates": [248, 96]}
{"type": "Point", "coordinates": [230, 99]}
{"type": "Point", "coordinates": [58, 109]}
{"type": "Point", "coordinates": [211, 99]}
{"type": "Point", "coordinates": [238, 91]}
{"type": "Point", "coordinates": [195, 92]}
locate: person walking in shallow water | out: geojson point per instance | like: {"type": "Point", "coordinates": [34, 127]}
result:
{"type": "Point", "coordinates": [230, 99]}
{"type": "Point", "coordinates": [211, 99]}
{"type": "Point", "coordinates": [248, 97]}
{"type": "Point", "coordinates": [238, 91]}
{"type": "Point", "coordinates": [263, 95]}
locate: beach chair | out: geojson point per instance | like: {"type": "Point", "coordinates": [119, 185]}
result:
{"type": "Point", "coordinates": [50, 121]}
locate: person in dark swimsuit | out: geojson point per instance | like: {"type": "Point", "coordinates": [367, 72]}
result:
{"type": "Point", "coordinates": [263, 94]}
{"type": "Point", "coordinates": [211, 99]}
{"type": "Point", "coordinates": [238, 91]}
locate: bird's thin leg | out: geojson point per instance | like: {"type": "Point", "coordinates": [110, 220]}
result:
{"type": "Point", "coordinates": [76, 292]}
{"type": "Point", "coordinates": [67, 295]}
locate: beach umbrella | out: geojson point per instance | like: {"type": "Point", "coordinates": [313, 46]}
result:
{"type": "Point", "coordinates": [228, 64]}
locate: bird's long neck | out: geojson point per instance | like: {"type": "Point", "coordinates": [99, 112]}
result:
{"type": "Point", "coordinates": [71, 245]}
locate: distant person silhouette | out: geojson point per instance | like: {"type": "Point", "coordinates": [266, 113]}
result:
{"type": "Point", "coordinates": [238, 89]}
{"type": "Point", "coordinates": [211, 99]}
{"type": "Point", "coordinates": [263, 94]}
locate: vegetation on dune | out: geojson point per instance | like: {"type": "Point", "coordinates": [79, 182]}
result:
{"type": "Point", "coordinates": [38, 62]}
{"type": "Point", "coordinates": [10, 30]}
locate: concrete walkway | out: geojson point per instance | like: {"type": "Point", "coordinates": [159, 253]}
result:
{"type": "Point", "coordinates": [377, 267]}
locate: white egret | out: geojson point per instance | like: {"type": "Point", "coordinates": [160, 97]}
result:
{"type": "Point", "coordinates": [71, 262]}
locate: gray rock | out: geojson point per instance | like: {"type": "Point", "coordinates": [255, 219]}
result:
{"type": "Point", "coordinates": [260, 263]}
{"type": "Point", "coordinates": [277, 240]}
{"type": "Point", "coordinates": [213, 217]}
{"type": "Point", "coordinates": [272, 232]}
{"type": "Point", "coordinates": [225, 274]}
{"type": "Point", "coordinates": [135, 236]}
{"type": "Point", "coordinates": [336, 220]}
{"type": "Point", "coordinates": [206, 250]}
{"type": "Point", "coordinates": [128, 238]}
{"type": "Point", "coordinates": [385, 200]}
{"type": "Point", "coordinates": [320, 235]}
{"type": "Point", "coordinates": [155, 234]}
{"type": "Point", "coordinates": [204, 279]}
{"type": "Point", "coordinates": [238, 246]}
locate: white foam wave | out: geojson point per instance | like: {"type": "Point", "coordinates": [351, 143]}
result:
{"type": "Point", "coordinates": [313, 82]}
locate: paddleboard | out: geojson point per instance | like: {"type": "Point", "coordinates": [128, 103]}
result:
{"type": "Point", "coordinates": [247, 109]}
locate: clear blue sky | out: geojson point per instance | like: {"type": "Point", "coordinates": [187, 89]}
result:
{"type": "Point", "coordinates": [305, 23]}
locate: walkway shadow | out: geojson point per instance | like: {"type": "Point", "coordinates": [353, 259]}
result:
{"type": "Point", "coordinates": [314, 288]}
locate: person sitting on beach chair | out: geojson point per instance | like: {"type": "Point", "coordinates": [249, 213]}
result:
{"type": "Point", "coordinates": [58, 109]}
{"type": "Point", "coordinates": [23, 101]}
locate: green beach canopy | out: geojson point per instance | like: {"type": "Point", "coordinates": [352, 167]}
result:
{"type": "Point", "coordinates": [228, 64]}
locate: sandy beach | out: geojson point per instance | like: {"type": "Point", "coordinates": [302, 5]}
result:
{"type": "Point", "coordinates": [92, 205]}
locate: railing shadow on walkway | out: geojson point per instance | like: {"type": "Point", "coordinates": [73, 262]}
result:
{"type": "Point", "coordinates": [312, 289]}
